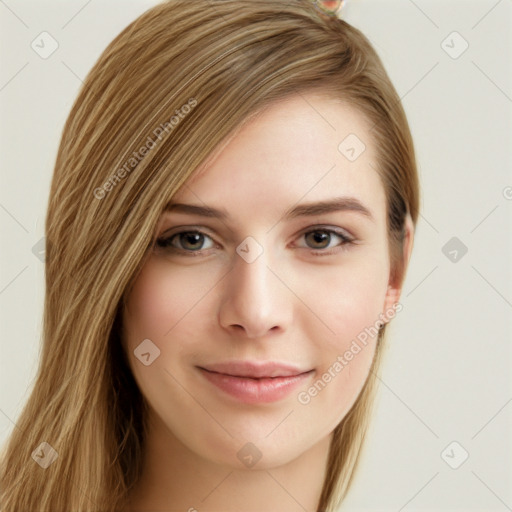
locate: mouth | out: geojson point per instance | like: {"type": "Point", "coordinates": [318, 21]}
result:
{"type": "Point", "coordinates": [253, 383]}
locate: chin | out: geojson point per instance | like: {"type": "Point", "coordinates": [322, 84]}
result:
{"type": "Point", "coordinates": [259, 454]}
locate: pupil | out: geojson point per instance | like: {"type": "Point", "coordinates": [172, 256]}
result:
{"type": "Point", "coordinates": [193, 237]}
{"type": "Point", "coordinates": [321, 236]}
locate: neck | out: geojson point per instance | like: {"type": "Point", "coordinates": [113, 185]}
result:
{"type": "Point", "coordinates": [175, 478]}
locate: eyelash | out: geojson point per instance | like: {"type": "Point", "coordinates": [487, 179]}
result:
{"type": "Point", "coordinates": [346, 242]}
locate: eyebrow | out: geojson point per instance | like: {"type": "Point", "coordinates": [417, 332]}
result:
{"type": "Point", "coordinates": [337, 204]}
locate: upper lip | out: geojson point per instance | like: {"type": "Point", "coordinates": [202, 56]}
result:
{"type": "Point", "coordinates": [255, 369]}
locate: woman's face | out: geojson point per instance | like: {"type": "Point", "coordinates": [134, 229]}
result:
{"type": "Point", "coordinates": [245, 330]}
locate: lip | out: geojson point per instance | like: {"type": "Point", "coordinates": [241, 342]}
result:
{"type": "Point", "coordinates": [252, 382]}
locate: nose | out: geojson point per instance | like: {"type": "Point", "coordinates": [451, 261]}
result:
{"type": "Point", "coordinates": [255, 301]}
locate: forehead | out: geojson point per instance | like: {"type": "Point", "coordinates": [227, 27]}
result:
{"type": "Point", "coordinates": [305, 148]}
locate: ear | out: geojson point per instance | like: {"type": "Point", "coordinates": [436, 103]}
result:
{"type": "Point", "coordinates": [395, 287]}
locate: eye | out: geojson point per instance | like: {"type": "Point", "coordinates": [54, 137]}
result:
{"type": "Point", "coordinates": [185, 241]}
{"type": "Point", "coordinates": [320, 239]}
{"type": "Point", "coordinates": [319, 242]}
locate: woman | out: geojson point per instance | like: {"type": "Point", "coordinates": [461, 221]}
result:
{"type": "Point", "coordinates": [230, 221]}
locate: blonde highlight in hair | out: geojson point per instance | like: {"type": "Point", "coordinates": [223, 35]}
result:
{"type": "Point", "coordinates": [233, 58]}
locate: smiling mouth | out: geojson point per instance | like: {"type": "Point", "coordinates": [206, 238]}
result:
{"type": "Point", "coordinates": [255, 369]}
{"type": "Point", "coordinates": [248, 387]}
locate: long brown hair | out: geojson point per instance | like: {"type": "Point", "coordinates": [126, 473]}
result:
{"type": "Point", "coordinates": [225, 60]}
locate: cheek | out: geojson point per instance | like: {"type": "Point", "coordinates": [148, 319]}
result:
{"type": "Point", "coordinates": [348, 299]}
{"type": "Point", "coordinates": [163, 300]}
{"type": "Point", "coordinates": [164, 306]}
{"type": "Point", "coordinates": [349, 304]}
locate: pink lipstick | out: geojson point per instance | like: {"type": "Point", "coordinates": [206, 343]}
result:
{"type": "Point", "coordinates": [255, 382]}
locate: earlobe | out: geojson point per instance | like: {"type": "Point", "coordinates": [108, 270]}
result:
{"type": "Point", "coordinates": [407, 250]}
{"type": "Point", "coordinates": [392, 297]}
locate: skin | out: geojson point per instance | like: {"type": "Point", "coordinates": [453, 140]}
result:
{"type": "Point", "coordinates": [287, 305]}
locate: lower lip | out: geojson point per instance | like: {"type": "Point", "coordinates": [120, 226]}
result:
{"type": "Point", "coordinates": [254, 391]}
